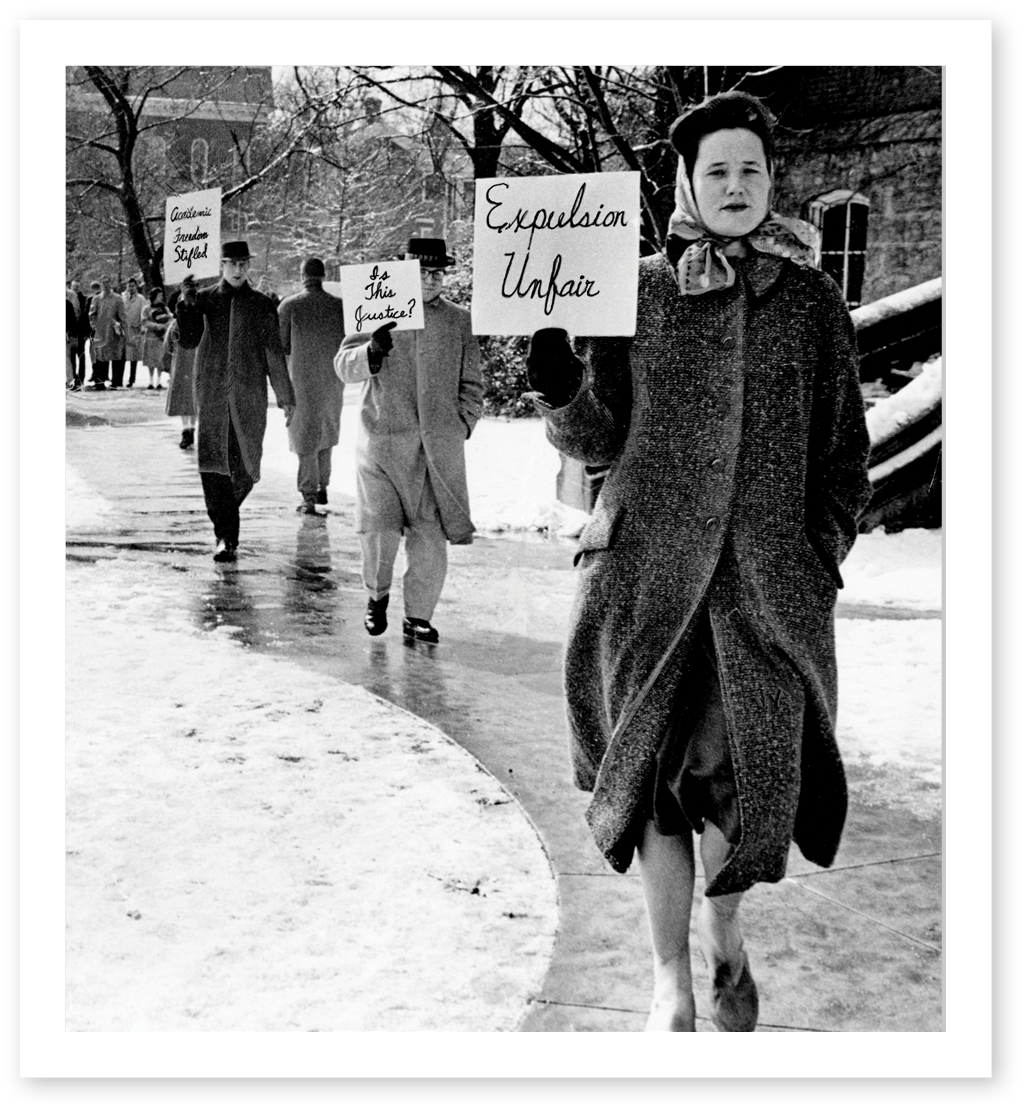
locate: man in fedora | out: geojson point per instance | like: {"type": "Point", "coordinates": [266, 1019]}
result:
{"type": "Point", "coordinates": [312, 328]}
{"type": "Point", "coordinates": [422, 398]}
{"type": "Point", "coordinates": [239, 347]}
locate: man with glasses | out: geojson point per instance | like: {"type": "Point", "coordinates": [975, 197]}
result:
{"type": "Point", "coordinates": [422, 398]}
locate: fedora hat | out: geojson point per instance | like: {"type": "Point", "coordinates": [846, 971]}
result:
{"type": "Point", "coordinates": [429, 252]}
{"type": "Point", "coordinates": [236, 251]}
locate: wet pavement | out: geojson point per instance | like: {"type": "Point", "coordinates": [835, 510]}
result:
{"type": "Point", "coordinates": [854, 948]}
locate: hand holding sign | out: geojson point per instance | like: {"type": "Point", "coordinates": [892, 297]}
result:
{"type": "Point", "coordinates": [379, 345]}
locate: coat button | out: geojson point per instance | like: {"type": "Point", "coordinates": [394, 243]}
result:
{"type": "Point", "coordinates": [710, 523]}
{"type": "Point", "coordinates": [717, 465]}
{"type": "Point", "coordinates": [728, 340]}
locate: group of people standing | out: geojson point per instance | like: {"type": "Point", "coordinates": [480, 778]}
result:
{"type": "Point", "coordinates": [117, 330]}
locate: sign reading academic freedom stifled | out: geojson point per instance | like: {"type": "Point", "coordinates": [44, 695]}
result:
{"type": "Point", "coordinates": [556, 252]}
{"type": "Point", "coordinates": [192, 236]}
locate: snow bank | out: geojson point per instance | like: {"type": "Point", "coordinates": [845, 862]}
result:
{"type": "Point", "coordinates": [254, 848]}
{"type": "Point", "coordinates": [895, 570]}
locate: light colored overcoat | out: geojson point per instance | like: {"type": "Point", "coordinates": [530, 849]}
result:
{"type": "Point", "coordinates": [239, 347]}
{"type": "Point", "coordinates": [312, 327]}
{"type": "Point", "coordinates": [133, 307]}
{"type": "Point", "coordinates": [106, 316]}
{"type": "Point", "coordinates": [734, 426]}
{"type": "Point", "coordinates": [415, 418]}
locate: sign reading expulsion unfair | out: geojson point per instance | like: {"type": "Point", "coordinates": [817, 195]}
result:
{"type": "Point", "coordinates": [378, 293]}
{"type": "Point", "coordinates": [556, 252]}
{"type": "Point", "coordinates": [192, 236]}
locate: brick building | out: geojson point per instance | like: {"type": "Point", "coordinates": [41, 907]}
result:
{"type": "Point", "coordinates": [199, 127]}
{"type": "Point", "coordinates": [860, 154]}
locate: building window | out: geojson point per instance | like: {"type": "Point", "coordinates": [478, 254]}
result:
{"type": "Point", "coordinates": [200, 161]}
{"type": "Point", "coordinates": [842, 218]}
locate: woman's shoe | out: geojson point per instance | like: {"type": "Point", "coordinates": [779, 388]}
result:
{"type": "Point", "coordinates": [734, 1000]}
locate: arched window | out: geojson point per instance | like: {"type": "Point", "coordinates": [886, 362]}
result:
{"type": "Point", "coordinates": [200, 161]}
{"type": "Point", "coordinates": [842, 218]}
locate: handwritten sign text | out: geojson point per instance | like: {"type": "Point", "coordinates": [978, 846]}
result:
{"type": "Point", "coordinates": [557, 251]}
{"type": "Point", "coordinates": [377, 293]}
{"type": "Point", "coordinates": [192, 235]}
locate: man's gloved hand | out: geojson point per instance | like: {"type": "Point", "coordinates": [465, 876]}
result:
{"type": "Point", "coordinates": [551, 367]}
{"type": "Point", "coordinates": [380, 343]}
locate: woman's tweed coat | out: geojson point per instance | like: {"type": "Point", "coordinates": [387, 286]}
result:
{"type": "Point", "coordinates": [312, 327]}
{"type": "Point", "coordinates": [416, 416]}
{"type": "Point", "coordinates": [180, 393]}
{"type": "Point", "coordinates": [734, 426]}
{"type": "Point", "coordinates": [239, 348]}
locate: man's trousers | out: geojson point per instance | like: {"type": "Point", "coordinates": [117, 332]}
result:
{"type": "Point", "coordinates": [426, 557]}
{"type": "Point", "coordinates": [314, 473]}
{"type": "Point", "coordinates": [224, 494]}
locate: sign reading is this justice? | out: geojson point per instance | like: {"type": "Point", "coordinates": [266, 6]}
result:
{"type": "Point", "coordinates": [556, 252]}
{"type": "Point", "coordinates": [379, 293]}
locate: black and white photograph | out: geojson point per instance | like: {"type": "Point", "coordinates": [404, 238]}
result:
{"type": "Point", "coordinates": [510, 578]}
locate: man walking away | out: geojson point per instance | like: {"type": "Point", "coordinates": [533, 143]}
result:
{"type": "Point", "coordinates": [312, 328]}
{"type": "Point", "coordinates": [422, 398]}
{"type": "Point", "coordinates": [235, 330]}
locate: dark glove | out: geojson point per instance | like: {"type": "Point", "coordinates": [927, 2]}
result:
{"type": "Point", "coordinates": [551, 367]}
{"type": "Point", "coordinates": [381, 342]}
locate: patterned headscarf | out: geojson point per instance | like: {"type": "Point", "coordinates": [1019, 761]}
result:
{"type": "Point", "coordinates": [704, 266]}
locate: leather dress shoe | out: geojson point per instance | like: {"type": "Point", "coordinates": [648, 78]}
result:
{"type": "Point", "coordinates": [321, 495]}
{"type": "Point", "coordinates": [415, 629]}
{"type": "Point", "coordinates": [225, 552]}
{"type": "Point", "coordinates": [376, 619]}
{"type": "Point", "coordinates": [308, 507]}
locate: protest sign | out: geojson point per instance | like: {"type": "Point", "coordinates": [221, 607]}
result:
{"type": "Point", "coordinates": [556, 252]}
{"type": "Point", "coordinates": [192, 235]}
{"type": "Point", "coordinates": [378, 293]}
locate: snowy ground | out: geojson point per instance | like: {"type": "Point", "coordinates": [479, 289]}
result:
{"type": "Point", "coordinates": [231, 842]}
{"type": "Point", "coordinates": [232, 833]}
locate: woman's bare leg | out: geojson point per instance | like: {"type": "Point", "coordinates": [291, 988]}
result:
{"type": "Point", "coordinates": [734, 1002]}
{"type": "Point", "coordinates": [666, 871]}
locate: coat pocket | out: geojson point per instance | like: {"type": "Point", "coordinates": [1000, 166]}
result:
{"type": "Point", "coordinates": [599, 534]}
{"type": "Point", "coordinates": [825, 556]}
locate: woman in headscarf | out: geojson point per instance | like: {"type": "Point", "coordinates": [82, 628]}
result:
{"type": "Point", "coordinates": [700, 669]}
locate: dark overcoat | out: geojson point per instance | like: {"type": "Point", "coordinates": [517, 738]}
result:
{"type": "Point", "coordinates": [415, 418]}
{"type": "Point", "coordinates": [239, 347]}
{"type": "Point", "coordinates": [734, 427]}
{"type": "Point", "coordinates": [312, 327]}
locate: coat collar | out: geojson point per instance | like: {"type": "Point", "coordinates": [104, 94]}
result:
{"type": "Point", "coordinates": [762, 271]}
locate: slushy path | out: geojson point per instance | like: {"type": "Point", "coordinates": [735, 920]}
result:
{"type": "Point", "coordinates": [855, 948]}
